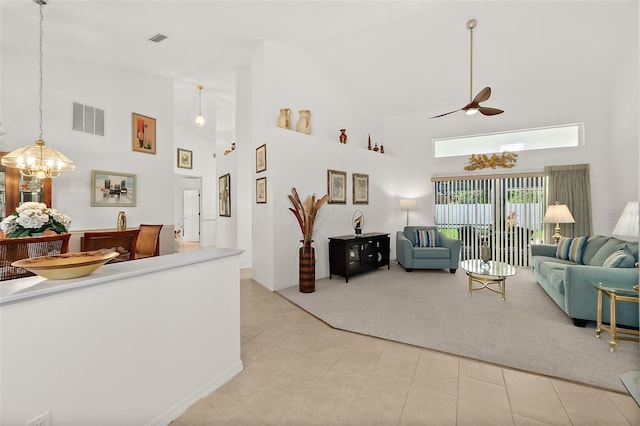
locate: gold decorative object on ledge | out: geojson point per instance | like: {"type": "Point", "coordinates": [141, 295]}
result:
{"type": "Point", "coordinates": [482, 161]}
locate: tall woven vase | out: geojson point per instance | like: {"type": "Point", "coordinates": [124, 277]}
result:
{"type": "Point", "coordinates": [307, 268]}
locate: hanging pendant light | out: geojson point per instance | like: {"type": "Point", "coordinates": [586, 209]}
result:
{"type": "Point", "coordinates": [200, 118]}
{"type": "Point", "coordinates": [39, 161]}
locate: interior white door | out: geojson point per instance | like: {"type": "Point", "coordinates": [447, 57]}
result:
{"type": "Point", "coordinates": [191, 219]}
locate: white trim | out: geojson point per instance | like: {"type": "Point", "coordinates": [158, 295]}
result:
{"type": "Point", "coordinates": [181, 406]}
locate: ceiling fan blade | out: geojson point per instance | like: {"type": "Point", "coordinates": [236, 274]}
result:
{"type": "Point", "coordinates": [482, 95]}
{"type": "Point", "coordinates": [489, 111]}
{"type": "Point", "coordinates": [446, 113]}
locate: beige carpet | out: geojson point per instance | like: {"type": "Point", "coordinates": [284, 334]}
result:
{"type": "Point", "coordinates": [431, 309]}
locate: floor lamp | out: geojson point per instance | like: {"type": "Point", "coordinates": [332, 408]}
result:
{"type": "Point", "coordinates": [408, 204]}
{"type": "Point", "coordinates": [558, 213]}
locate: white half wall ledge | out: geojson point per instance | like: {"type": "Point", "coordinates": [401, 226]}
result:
{"type": "Point", "coordinates": [167, 328]}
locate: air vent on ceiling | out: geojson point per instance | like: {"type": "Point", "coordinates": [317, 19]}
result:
{"type": "Point", "coordinates": [88, 119]}
{"type": "Point", "coordinates": [157, 38]}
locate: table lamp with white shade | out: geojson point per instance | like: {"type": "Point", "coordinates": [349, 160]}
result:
{"type": "Point", "coordinates": [558, 213]}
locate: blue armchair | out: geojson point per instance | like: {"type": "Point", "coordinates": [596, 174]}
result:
{"type": "Point", "coordinates": [445, 254]}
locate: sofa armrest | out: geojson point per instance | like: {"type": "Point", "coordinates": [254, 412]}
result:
{"type": "Point", "coordinates": [543, 250]}
{"type": "Point", "coordinates": [575, 282]}
{"type": "Point", "coordinates": [404, 250]}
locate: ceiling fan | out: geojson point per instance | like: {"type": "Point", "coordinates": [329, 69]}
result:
{"type": "Point", "coordinates": [474, 103]}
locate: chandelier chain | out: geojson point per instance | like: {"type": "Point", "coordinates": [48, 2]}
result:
{"type": "Point", "coordinates": [41, 69]}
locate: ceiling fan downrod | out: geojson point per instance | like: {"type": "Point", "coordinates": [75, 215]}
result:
{"type": "Point", "coordinates": [471, 24]}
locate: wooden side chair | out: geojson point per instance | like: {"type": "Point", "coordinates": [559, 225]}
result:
{"type": "Point", "coordinates": [148, 244]}
{"type": "Point", "coordinates": [124, 242]}
{"type": "Point", "coordinates": [12, 249]}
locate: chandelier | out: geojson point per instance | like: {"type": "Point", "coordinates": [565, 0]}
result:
{"type": "Point", "coordinates": [39, 161]}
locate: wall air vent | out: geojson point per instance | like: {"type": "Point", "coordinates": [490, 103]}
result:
{"type": "Point", "coordinates": [88, 119]}
{"type": "Point", "coordinates": [157, 38]}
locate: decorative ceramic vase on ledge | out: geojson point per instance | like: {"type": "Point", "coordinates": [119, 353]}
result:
{"type": "Point", "coordinates": [304, 122]}
{"type": "Point", "coordinates": [284, 120]}
{"type": "Point", "coordinates": [343, 136]}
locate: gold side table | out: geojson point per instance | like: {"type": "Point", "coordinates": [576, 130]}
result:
{"type": "Point", "coordinates": [615, 294]}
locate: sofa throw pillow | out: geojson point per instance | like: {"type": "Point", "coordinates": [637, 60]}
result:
{"type": "Point", "coordinates": [576, 250]}
{"type": "Point", "coordinates": [562, 250]}
{"type": "Point", "coordinates": [608, 248]}
{"type": "Point", "coordinates": [620, 259]}
{"type": "Point", "coordinates": [425, 238]}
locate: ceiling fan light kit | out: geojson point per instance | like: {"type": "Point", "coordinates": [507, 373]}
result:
{"type": "Point", "coordinates": [474, 106]}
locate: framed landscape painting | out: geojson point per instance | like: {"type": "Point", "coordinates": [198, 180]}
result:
{"type": "Point", "coordinates": [143, 131]}
{"type": "Point", "coordinates": [224, 195]}
{"type": "Point", "coordinates": [360, 188]}
{"type": "Point", "coordinates": [185, 159]}
{"type": "Point", "coordinates": [337, 187]}
{"type": "Point", "coordinates": [261, 190]}
{"type": "Point", "coordinates": [261, 158]}
{"type": "Point", "coordinates": [112, 189]}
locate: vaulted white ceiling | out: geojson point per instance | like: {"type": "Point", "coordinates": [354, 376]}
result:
{"type": "Point", "coordinates": [408, 56]}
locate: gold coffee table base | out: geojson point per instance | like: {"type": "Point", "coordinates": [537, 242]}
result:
{"type": "Point", "coordinates": [491, 275]}
{"type": "Point", "coordinates": [487, 283]}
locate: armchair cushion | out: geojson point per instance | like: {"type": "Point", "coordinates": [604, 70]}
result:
{"type": "Point", "coordinates": [425, 238]}
{"type": "Point", "coordinates": [605, 251]}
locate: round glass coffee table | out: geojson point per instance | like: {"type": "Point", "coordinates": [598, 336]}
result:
{"type": "Point", "coordinates": [492, 275]}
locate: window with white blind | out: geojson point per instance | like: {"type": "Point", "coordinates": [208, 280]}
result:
{"type": "Point", "coordinates": [504, 210]}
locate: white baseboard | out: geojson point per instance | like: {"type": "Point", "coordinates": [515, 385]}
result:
{"type": "Point", "coordinates": [181, 406]}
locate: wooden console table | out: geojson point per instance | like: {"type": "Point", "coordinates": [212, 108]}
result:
{"type": "Point", "coordinates": [350, 255]}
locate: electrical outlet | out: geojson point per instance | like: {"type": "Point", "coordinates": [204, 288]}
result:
{"type": "Point", "coordinates": [43, 419]}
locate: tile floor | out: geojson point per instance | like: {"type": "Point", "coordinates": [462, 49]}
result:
{"type": "Point", "coordinates": [300, 371]}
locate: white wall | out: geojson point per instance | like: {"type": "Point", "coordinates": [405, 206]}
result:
{"type": "Point", "coordinates": [624, 140]}
{"type": "Point", "coordinates": [119, 93]}
{"type": "Point", "coordinates": [570, 102]}
{"type": "Point", "coordinates": [301, 161]}
{"type": "Point", "coordinates": [286, 77]}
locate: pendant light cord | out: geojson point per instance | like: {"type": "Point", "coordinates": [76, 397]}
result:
{"type": "Point", "coordinates": [471, 66]}
{"type": "Point", "coordinates": [41, 69]}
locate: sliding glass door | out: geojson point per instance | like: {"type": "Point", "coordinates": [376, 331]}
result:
{"type": "Point", "coordinates": [506, 211]}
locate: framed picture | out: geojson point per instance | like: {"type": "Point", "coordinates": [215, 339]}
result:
{"type": "Point", "coordinates": [337, 187]}
{"type": "Point", "coordinates": [261, 158]}
{"type": "Point", "coordinates": [143, 131]}
{"type": "Point", "coordinates": [360, 188]}
{"type": "Point", "coordinates": [261, 190]}
{"type": "Point", "coordinates": [224, 195]}
{"type": "Point", "coordinates": [185, 159]}
{"type": "Point", "coordinates": [112, 189]}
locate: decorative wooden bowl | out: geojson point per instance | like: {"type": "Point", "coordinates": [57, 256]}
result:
{"type": "Point", "coordinates": [66, 266]}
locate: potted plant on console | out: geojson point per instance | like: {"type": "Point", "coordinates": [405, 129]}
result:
{"type": "Point", "coordinates": [306, 214]}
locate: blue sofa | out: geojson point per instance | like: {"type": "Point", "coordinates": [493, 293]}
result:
{"type": "Point", "coordinates": [445, 254]}
{"type": "Point", "coordinates": [565, 281]}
